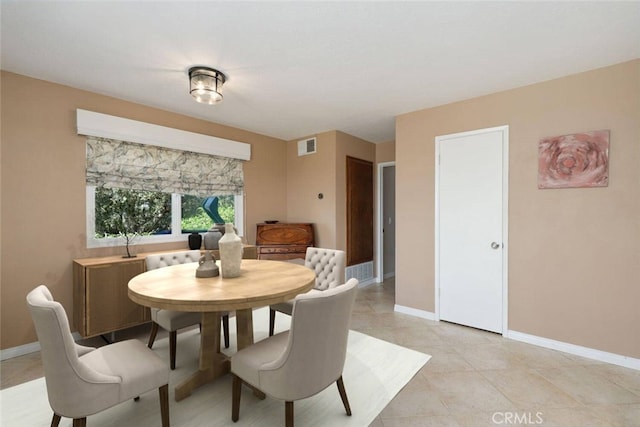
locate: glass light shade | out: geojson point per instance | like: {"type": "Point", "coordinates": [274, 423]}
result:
{"type": "Point", "coordinates": [205, 84]}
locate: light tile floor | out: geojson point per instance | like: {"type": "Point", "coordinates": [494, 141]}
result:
{"type": "Point", "coordinates": [477, 378]}
{"type": "Point", "coordinates": [474, 378]}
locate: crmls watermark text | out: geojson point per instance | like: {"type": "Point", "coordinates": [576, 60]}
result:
{"type": "Point", "coordinates": [517, 418]}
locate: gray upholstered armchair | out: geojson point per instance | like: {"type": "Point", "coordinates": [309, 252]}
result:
{"type": "Point", "coordinates": [82, 381]}
{"type": "Point", "coordinates": [305, 360]}
{"type": "Point", "coordinates": [173, 320]}
{"type": "Point", "coordinates": [329, 266]}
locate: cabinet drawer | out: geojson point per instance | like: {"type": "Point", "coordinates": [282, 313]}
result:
{"type": "Point", "coordinates": [283, 257]}
{"type": "Point", "coordinates": [283, 249]}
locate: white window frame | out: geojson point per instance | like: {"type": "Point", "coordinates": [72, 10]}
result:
{"type": "Point", "coordinates": [176, 224]}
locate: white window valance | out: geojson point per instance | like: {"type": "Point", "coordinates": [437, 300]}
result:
{"type": "Point", "coordinates": [100, 125]}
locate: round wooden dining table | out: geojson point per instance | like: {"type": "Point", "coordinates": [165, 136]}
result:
{"type": "Point", "coordinates": [177, 288]}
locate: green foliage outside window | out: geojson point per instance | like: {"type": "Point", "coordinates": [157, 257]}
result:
{"type": "Point", "coordinates": [194, 218]}
{"type": "Point", "coordinates": [131, 213]}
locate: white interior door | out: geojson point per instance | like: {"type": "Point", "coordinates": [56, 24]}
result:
{"type": "Point", "coordinates": [469, 221]}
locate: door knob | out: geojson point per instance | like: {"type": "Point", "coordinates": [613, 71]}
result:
{"type": "Point", "coordinates": [495, 245]}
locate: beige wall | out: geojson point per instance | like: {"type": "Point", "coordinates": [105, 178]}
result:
{"type": "Point", "coordinates": [386, 152]}
{"type": "Point", "coordinates": [43, 190]}
{"type": "Point", "coordinates": [323, 172]}
{"type": "Point", "coordinates": [307, 176]}
{"type": "Point", "coordinates": [574, 256]}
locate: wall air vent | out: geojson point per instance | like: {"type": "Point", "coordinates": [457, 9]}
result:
{"type": "Point", "coordinates": [307, 146]}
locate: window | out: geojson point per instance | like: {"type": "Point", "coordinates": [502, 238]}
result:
{"type": "Point", "coordinates": [170, 216]}
{"type": "Point", "coordinates": [118, 210]}
{"type": "Point", "coordinates": [157, 179]}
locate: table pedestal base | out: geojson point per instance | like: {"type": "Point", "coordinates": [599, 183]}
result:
{"type": "Point", "coordinates": [200, 378]}
{"type": "Point", "coordinates": [214, 364]}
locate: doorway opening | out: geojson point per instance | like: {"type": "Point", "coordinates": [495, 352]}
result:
{"type": "Point", "coordinates": [386, 222]}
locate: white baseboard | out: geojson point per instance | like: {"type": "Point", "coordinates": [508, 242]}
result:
{"type": "Point", "coordinates": [367, 282]}
{"type": "Point", "coordinates": [589, 353]}
{"type": "Point", "coordinates": [414, 312]}
{"type": "Point", "coordinates": [21, 350]}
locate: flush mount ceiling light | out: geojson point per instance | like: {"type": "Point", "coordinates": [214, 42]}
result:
{"type": "Point", "coordinates": [205, 84]}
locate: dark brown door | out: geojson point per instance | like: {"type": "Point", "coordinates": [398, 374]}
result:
{"type": "Point", "coordinates": [359, 211]}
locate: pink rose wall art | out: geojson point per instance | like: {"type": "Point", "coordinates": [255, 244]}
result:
{"type": "Point", "coordinates": [573, 161]}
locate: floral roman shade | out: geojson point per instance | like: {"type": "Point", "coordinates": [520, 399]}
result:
{"type": "Point", "coordinates": [113, 163]}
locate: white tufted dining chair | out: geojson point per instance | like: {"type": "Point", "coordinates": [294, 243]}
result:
{"type": "Point", "coordinates": [305, 360]}
{"type": "Point", "coordinates": [82, 381]}
{"type": "Point", "coordinates": [329, 266]}
{"type": "Point", "coordinates": [174, 320]}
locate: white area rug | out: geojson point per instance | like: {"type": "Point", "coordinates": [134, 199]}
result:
{"type": "Point", "coordinates": [375, 371]}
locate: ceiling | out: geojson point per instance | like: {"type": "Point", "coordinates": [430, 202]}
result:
{"type": "Point", "coordinates": [299, 68]}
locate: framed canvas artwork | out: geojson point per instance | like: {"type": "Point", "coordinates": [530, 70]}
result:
{"type": "Point", "coordinates": [574, 161]}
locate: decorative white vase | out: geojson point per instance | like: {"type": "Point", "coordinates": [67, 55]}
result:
{"type": "Point", "coordinates": [230, 252]}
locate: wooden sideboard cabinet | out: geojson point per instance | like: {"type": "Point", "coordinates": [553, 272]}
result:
{"type": "Point", "coordinates": [101, 302]}
{"type": "Point", "coordinates": [283, 241]}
